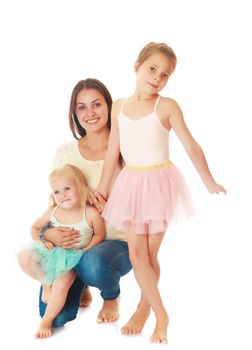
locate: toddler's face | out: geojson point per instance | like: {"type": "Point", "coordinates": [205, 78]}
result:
{"type": "Point", "coordinates": [65, 193]}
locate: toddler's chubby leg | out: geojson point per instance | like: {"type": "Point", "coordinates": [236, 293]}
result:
{"type": "Point", "coordinates": [44, 330]}
{"type": "Point", "coordinates": [46, 293]}
{"type": "Point", "coordinates": [59, 290]}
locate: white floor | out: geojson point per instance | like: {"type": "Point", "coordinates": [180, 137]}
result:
{"type": "Point", "coordinates": [206, 263]}
{"type": "Point", "coordinates": [205, 284]}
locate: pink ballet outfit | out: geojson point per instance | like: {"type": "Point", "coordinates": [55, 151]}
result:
{"type": "Point", "coordinates": [149, 191]}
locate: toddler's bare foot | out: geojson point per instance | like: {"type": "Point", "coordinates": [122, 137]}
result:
{"type": "Point", "coordinates": [46, 292]}
{"type": "Point", "coordinates": [109, 311]}
{"type": "Point", "coordinates": [44, 330]}
{"type": "Point", "coordinates": [137, 321]}
{"type": "Point", "coordinates": [160, 332]}
{"type": "Point", "coordinates": [86, 298]}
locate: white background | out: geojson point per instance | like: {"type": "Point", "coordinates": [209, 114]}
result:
{"type": "Point", "coordinates": [46, 48]}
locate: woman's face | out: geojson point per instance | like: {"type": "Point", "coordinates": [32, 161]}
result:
{"type": "Point", "coordinates": [91, 110]}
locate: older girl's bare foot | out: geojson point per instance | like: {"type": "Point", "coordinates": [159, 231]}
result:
{"type": "Point", "coordinates": [109, 311]}
{"type": "Point", "coordinates": [86, 298]}
{"type": "Point", "coordinates": [137, 321]}
{"type": "Point", "coordinates": [44, 330]}
{"type": "Point", "coordinates": [159, 335]}
{"type": "Point", "coordinates": [46, 292]}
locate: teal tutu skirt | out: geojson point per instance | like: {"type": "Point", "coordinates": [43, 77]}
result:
{"type": "Point", "coordinates": [54, 262]}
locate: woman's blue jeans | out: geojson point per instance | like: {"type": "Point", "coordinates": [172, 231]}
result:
{"type": "Point", "coordinates": [102, 267]}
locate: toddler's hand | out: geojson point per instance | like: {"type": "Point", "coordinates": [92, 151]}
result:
{"type": "Point", "coordinates": [48, 245]}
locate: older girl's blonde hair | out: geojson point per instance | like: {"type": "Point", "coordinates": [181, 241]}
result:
{"type": "Point", "coordinates": [153, 48]}
{"type": "Point", "coordinates": [71, 172]}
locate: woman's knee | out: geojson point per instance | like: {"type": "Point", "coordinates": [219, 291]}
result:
{"type": "Point", "coordinates": [104, 264]}
{"type": "Point", "coordinates": [90, 268]}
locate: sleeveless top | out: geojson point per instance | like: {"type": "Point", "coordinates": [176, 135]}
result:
{"type": "Point", "coordinates": [68, 153]}
{"type": "Point", "coordinates": [86, 232]}
{"type": "Point", "coordinates": [144, 141]}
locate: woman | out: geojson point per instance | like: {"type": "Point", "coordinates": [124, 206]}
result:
{"type": "Point", "coordinates": [102, 266]}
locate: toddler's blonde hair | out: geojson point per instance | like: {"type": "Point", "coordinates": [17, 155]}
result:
{"type": "Point", "coordinates": [71, 172]}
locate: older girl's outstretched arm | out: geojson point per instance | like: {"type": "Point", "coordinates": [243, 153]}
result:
{"type": "Point", "coordinates": [112, 154]}
{"type": "Point", "coordinates": [192, 148]}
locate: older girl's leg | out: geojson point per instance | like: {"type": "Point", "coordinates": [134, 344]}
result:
{"type": "Point", "coordinates": [147, 280]}
{"type": "Point", "coordinates": [140, 316]}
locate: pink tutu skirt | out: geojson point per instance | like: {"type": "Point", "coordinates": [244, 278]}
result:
{"type": "Point", "coordinates": [144, 200]}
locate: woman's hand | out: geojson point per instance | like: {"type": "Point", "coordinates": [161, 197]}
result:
{"type": "Point", "coordinates": [64, 237]}
{"type": "Point", "coordinates": [97, 200]}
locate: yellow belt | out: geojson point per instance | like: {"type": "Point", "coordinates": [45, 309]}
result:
{"type": "Point", "coordinates": [148, 167]}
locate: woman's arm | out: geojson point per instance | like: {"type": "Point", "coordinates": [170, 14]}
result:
{"type": "Point", "coordinates": [192, 148]}
{"type": "Point", "coordinates": [64, 237]}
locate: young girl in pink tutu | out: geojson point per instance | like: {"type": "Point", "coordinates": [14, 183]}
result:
{"type": "Point", "coordinates": [54, 266]}
{"type": "Point", "coordinates": [150, 190]}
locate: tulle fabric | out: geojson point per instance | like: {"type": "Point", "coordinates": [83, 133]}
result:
{"type": "Point", "coordinates": [55, 262]}
{"type": "Point", "coordinates": [146, 201]}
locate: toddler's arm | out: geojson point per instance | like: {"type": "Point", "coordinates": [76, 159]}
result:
{"type": "Point", "coordinates": [41, 221]}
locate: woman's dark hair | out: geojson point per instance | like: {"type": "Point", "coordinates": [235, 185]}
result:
{"type": "Point", "coordinates": [89, 83]}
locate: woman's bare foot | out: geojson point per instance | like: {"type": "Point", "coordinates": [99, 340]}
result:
{"type": "Point", "coordinates": [159, 335]}
{"type": "Point", "coordinates": [44, 330]}
{"type": "Point", "coordinates": [109, 311]}
{"type": "Point", "coordinates": [86, 298]}
{"type": "Point", "coordinates": [46, 292]}
{"type": "Point", "coordinates": [137, 321]}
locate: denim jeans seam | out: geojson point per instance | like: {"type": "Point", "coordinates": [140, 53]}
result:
{"type": "Point", "coordinates": [118, 255]}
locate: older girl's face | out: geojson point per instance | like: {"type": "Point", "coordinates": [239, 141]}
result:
{"type": "Point", "coordinates": [91, 110]}
{"type": "Point", "coordinates": [153, 73]}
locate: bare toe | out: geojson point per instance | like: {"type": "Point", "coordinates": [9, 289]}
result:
{"type": "Point", "coordinates": [136, 323]}
{"type": "Point", "coordinates": [86, 298]}
{"type": "Point", "coordinates": [109, 311]}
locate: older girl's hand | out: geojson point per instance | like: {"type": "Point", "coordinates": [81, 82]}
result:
{"type": "Point", "coordinates": [216, 188]}
{"type": "Point", "coordinates": [97, 200]}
